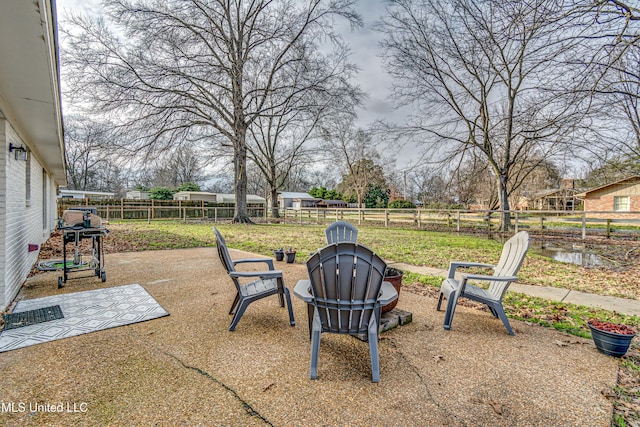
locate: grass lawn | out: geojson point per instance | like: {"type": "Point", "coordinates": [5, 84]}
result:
{"type": "Point", "coordinates": [414, 247]}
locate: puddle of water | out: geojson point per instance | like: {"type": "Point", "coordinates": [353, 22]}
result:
{"type": "Point", "coordinates": [573, 256]}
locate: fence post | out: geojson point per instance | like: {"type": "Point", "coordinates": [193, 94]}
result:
{"type": "Point", "coordinates": [153, 210]}
{"type": "Point", "coordinates": [184, 214]}
{"type": "Point", "coordinates": [419, 218]}
{"type": "Point", "coordinates": [516, 214]}
{"type": "Point", "coordinates": [386, 218]}
{"type": "Point", "coordinates": [148, 215]}
{"type": "Point", "coordinates": [122, 209]}
{"type": "Point", "coordinates": [107, 213]}
{"type": "Point", "coordinates": [458, 225]}
{"type": "Point", "coordinates": [608, 228]}
{"type": "Point", "coordinates": [215, 214]}
{"type": "Point", "coordinates": [584, 225]}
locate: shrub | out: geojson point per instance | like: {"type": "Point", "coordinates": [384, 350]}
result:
{"type": "Point", "coordinates": [400, 204]}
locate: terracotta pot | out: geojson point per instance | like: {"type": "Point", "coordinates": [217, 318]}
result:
{"type": "Point", "coordinates": [393, 276]}
{"type": "Point", "coordinates": [611, 339]}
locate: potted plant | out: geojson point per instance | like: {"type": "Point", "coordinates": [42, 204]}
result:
{"type": "Point", "coordinates": [611, 338]}
{"type": "Point", "coordinates": [291, 255]}
{"type": "Point", "coordinates": [393, 276]}
{"type": "Point", "coordinates": [279, 254]}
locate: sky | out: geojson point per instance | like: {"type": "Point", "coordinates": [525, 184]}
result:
{"type": "Point", "coordinates": [372, 78]}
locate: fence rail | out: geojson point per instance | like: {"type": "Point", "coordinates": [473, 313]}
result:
{"type": "Point", "coordinates": [575, 223]}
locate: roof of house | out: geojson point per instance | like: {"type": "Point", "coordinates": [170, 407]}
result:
{"type": "Point", "coordinates": [231, 198]}
{"type": "Point", "coordinates": [629, 179]}
{"type": "Point", "coordinates": [29, 80]}
{"type": "Point", "coordinates": [295, 195]}
{"type": "Point", "coordinates": [86, 192]}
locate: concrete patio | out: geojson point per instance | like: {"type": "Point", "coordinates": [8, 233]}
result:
{"type": "Point", "coordinates": [187, 369]}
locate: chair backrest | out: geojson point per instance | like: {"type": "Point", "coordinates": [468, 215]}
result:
{"type": "Point", "coordinates": [513, 253]}
{"type": "Point", "coordinates": [223, 252]}
{"type": "Point", "coordinates": [345, 283]}
{"type": "Point", "coordinates": [341, 231]}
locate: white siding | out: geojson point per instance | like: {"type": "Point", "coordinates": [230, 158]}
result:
{"type": "Point", "coordinates": [22, 221]}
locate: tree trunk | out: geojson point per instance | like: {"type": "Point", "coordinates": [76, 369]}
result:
{"type": "Point", "coordinates": [240, 214]}
{"type": "Point", "coordinates": [275, 213]}
{"type": "Point", "coordinates": [505, 218]}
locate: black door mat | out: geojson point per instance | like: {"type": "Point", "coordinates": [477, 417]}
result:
{"type": "Point", "coordinates": [32, 317]}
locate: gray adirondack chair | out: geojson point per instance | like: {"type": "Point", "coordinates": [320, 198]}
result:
{"type": "Point", "coordinates": [346, 292]}
{"type": "Point", "coordinates": [504, 273]}
{"type": "Point", "coordinates": [341, 231]}
{"type": "Point", "coordinates": [267, 283]}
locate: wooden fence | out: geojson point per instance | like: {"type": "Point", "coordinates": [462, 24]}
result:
{"type": "Point", "coordinates": [576, 223]}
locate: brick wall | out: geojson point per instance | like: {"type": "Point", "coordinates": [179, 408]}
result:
{"type": "Point", "coordinates": [605, 204]}
{"type": "Point", "coordinates": [21, 220]}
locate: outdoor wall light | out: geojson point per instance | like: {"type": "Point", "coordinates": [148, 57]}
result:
{"type": "Point", "coordinates": [20, 152]}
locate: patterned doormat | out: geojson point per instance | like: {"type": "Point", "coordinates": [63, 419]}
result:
{"type": "Point", "coordinates": [84, 312]}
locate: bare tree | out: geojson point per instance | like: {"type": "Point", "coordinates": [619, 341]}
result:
{"type": "Point", "coordinates": [280, 140]}
{"type": "Point", "coordinates": [191, 70]}
{"type": "Point", "coordinates": [89, 163]}
{"type": "Point", "coordinates": [353, 148]}
{"type": "Point", "coordinates": [179, 166]}
{"type": "Point", "coordinates": [488, 78]}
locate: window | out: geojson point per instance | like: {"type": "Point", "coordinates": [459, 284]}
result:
{"type": "Point", "coordinates": [621, 203]}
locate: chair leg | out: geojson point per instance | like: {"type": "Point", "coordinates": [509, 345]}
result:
{"type": "Point", "coordinates": [287, 294]}
{"type": "Point", "coordinates": [315, 345]}
{"type": "Point", "coordinates": [373, 351]}
{"type": "Point", "coordinates": [451, 308]}
{"type": "Point", "coordinates": [503, 316]}
{"type": "Point", "coordinates": [310, 311]}
{"type": "Point", "coordinates": [281, 288]}
{"type": "Point", "coordinates": [235, 303]}
{"type": "Point", "coordinates": [239, 312]}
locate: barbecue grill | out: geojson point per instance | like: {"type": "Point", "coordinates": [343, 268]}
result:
{"type": "Point", "coordinates": [77, 225]}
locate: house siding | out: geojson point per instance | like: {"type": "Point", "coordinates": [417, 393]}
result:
{"type": "Point", "coordinates": [22, 222]}
{"type": "Point", "coordinates": [602, 200]}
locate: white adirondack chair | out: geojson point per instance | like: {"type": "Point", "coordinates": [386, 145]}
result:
{"type": "Point", "coordinates": [504, 273]}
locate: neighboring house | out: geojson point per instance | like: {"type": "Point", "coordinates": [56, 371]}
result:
{"type": "Point", "coordinates": [620, 196]}
{"type": "Point", "coordinates": [63, 193]}
{"type": "Point", "coordinates": [195, 195]}
{"type": "Point", "coordinates": [554, 199]}
{"type": "Point", "coordinates": [31, 136]}
{"type": "Point", "coordinates": [137, 195]}
{"type": "Point", "coordinates": [217, 197]}
{"type": "Point", "coordinates": [296, 200]}
{"type": "Point", "coordinates": [331, 204]}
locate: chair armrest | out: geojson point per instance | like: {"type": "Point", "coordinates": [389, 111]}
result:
{"type": "Point", "coordinates": [453, 265]}
{"type": "Point", "coordinates": [267, 261]}
{"type": "Point", "coordinates": [302, 291]}
{"type": "Point", "coordinates": [271, 274]}
{"type": "Point", "coordinates": [387, 293]}
{"type": "Point", "coordinates": [466, 276]}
